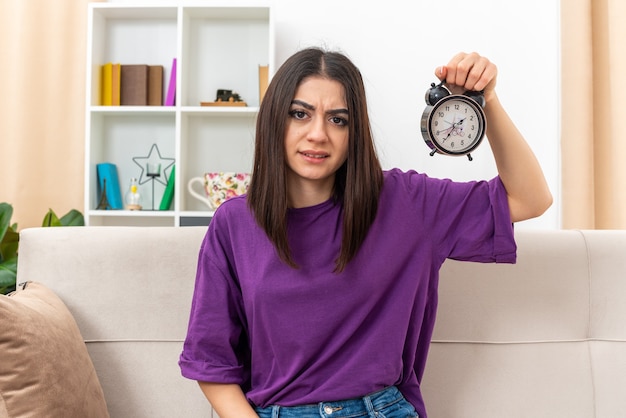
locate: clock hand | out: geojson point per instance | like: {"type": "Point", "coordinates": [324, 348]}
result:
{"type": "Point", "coordinates": [453, 129]}
{"type": "Point", "coordinates": [456, 128]}
{"type": "Point", "coordinates": [447, 130]}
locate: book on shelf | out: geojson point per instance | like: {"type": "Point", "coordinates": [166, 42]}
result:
{"type": "Point", "coordinates": [106, 82]}
{"type": "Point", "coordinates": [263, 81]}
{"type": "Point", "coordinates": [155, 85]}
{"type": "Point", "coordinates": [109, 193]}
{"type": "Point", "coordinates": [168, 194]}
{"type": "Point", "coordinates": [110, 84]}
{"type": "Point", "coordinates": [134, 85]}
{"type": "Point", "coordinates": [116, 84]}
{"type": "Point", "coordinates": [170, 99]}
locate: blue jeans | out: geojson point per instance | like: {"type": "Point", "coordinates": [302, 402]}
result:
{"type": "Point", "coordinates": [387, 403]}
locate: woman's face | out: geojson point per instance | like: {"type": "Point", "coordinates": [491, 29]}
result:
{"type": "Point", "coordinates": [316, 136]}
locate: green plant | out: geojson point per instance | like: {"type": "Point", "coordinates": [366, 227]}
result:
{"type": "Point", "coordinates": [71, 218]}
{"type": "Point", "coordinates": [9, 240]}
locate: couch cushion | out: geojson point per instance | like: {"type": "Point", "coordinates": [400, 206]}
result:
{"type": "Point", "coordinates": [510, 380]}
{"type": "Point", "coordinates": [45, 369]}
{"type": "Point", "coordinates": [544, 297]}
{"type": "Point", "coordinates": [129, 290]}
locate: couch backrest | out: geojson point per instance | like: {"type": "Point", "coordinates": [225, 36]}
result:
{"type": "Point", "coordinates": [129, 289]}
{"type": "Point", "coordinates": [543, 338]}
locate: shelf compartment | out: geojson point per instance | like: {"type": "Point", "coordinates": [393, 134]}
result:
{"type": "Point", "coordinates": [119, 137]}
{"type": "Point", "coordinates": [214, 144]}
{"type": "Point", "coordinates": [223, 48]}
{"type": "Point", "coordinates": [131, 35]}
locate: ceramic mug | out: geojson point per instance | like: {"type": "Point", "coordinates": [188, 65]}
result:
{"type": "Point", "coordinates": [219, 187]}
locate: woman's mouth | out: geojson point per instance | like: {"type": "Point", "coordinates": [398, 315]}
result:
{"type": "Point", "coordinates": [314, 155]}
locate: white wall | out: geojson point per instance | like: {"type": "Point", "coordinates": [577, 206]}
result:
{"type": "Point", "coordinates": [397, 45]}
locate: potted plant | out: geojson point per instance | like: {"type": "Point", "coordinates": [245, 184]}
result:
{"type": "Point", "coordinates": [9, 240]}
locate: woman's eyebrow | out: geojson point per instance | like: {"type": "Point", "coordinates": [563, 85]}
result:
{"type": "Point", "coordinates": [338, 112]}
{"type": "Point", "coordinates": [311, 107]}
{"type": "Point", "coordinates": [303, 104]}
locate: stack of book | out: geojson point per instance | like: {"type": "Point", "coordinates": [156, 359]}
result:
{"type": "Point", "coordinates": [136, 85]}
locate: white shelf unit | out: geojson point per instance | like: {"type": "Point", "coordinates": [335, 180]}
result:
{"type": "Point", "coordinates": [217, 46]}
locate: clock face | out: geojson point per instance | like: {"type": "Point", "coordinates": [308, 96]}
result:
{"type": "Point", "coordinates": [455, 125]}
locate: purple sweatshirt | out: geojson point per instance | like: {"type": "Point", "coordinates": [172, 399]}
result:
{"type": "Point", "coordinates": [299, 336]}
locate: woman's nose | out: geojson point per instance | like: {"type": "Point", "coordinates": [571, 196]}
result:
{"type": "Point", "coordinates": [317, 131]}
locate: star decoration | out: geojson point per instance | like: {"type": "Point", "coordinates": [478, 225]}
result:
{"type": "Point", "coordinates": [153, 159]}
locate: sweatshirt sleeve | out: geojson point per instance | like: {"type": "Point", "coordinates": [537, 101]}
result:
{"type": "Point", "coordinates": [476, 224]}
{"type": "Point", "coordinates": [215, 348]}
{"type": "Point", "coordinates": [467, 221]}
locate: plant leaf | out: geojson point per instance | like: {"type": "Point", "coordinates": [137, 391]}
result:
{"type": "Point", "coordinates": [73, 218]}
{"type": "Point", "coordinates": [8, 274]}
{"type": "Point", "coordinates": [8, 245]}
{"type": "Point", "coordinates": [51, 219]}
{"type": "Point", "coordinates": [6, 211]}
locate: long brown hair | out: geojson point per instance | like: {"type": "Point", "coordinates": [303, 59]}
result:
{"type": "Point", "coordinates": [357, 182]}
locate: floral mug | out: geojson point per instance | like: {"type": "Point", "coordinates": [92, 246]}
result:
{"type": "Point", "coordinates": [219, 187]}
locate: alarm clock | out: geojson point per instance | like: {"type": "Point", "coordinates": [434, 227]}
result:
{"type": "Point", "coordinates": [453, 124]}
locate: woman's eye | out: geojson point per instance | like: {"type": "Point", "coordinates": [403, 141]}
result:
{"type": "Point", "coordinates": [297, 114]}
{"type": "Point", "coordinates": [339, 121]}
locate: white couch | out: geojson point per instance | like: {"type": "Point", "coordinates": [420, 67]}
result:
{"type": "Point", "coordinates": [543, 338]}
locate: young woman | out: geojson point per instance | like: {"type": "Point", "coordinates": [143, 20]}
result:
{"type": "Point", "coordinates": [316, 293]}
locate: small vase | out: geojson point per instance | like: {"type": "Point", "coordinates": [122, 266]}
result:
{"type": "Point", "coordinates": [132, 196]}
